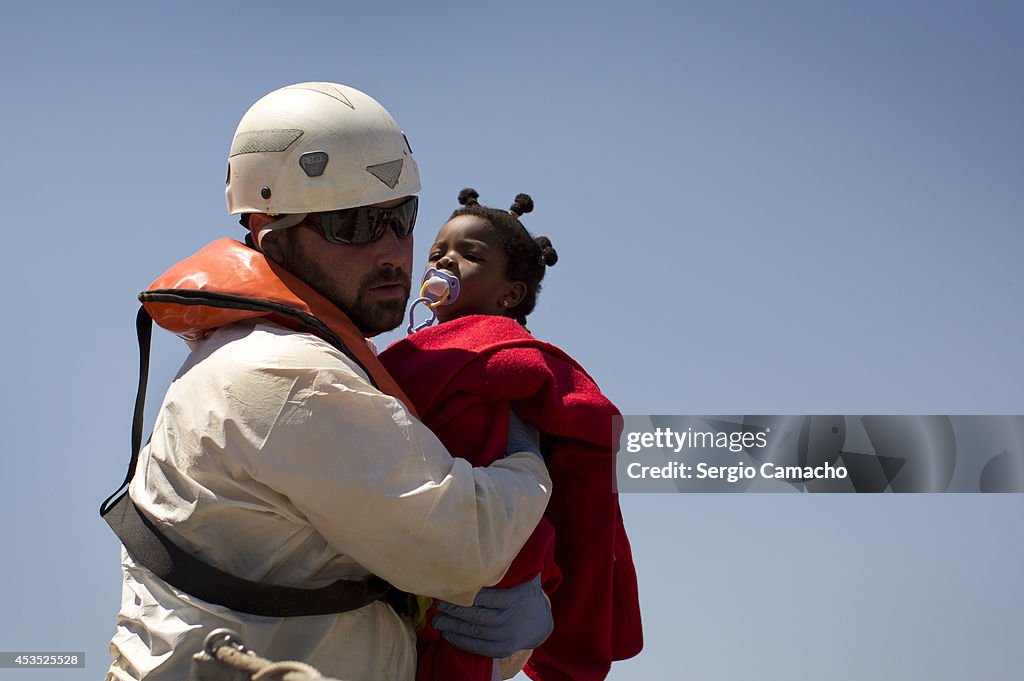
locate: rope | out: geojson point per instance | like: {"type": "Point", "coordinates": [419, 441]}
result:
{"type": "Point", "coordinates": [262, 669]}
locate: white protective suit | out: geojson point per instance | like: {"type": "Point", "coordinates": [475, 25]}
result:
{"type": "Point", "coordinates": [273, 458]}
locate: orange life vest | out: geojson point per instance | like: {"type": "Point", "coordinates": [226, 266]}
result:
{"type": "Point", "coordinates": [227, 282]}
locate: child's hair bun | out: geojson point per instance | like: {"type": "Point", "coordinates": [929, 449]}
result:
{"type": "Point", "coordinates": [548, 254]}
{"type": "Point", "coordinates": [522, 205]}
{"type": "Point", "coordinates": [468, 196]}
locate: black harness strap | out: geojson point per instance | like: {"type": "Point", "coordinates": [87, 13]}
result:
{"type": "Point", "coordinates": [144, 331]}
{"type": "Point", "coordinates": [179, 568]}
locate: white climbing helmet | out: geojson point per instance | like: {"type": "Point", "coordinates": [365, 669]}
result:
{"type": "Point", "coordinates": [316, 147]}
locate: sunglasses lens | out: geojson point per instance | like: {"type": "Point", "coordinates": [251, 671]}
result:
{"type": "Point", "coordinates": [408, 211]}
{"type": "Point", "coordinates": [340, 226]}
{"type": "Point", "coordinates": [373, 228]}
{"type": "Point", "coordinates": [366, 224]}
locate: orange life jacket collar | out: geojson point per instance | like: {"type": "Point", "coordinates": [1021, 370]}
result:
{"type": "Point", "coordinates": [227, 282]}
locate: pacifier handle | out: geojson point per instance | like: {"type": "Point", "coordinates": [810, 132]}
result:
{"type": "Point", "coordinates": [439, 288]}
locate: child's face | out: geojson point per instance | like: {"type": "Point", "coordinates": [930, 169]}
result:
{"type": "Point", "coordinates": [467, 247]}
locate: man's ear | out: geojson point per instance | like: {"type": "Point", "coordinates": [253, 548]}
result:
{"type": "Point", "coordinates": [263, 227]}
{"type": "Point", "coordinates": [272, 246]}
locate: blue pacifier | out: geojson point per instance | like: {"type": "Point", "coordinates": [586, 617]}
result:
{"type": "Point", "coordinates": [439, 288]}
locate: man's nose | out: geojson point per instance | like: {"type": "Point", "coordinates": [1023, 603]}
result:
{"type": "Point", "coordinates": [394, 251]}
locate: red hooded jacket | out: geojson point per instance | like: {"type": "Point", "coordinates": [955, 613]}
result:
{"type": "Point", "coordinates": [463, 377]}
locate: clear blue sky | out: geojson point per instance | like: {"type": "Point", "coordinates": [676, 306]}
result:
{"type": "Point", "coordinates": [789, 207]}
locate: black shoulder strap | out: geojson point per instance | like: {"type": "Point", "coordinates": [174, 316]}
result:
{"type": "Point", "coordinates": [179, 568]}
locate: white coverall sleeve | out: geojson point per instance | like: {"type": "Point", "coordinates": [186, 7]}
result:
{"type": "Point", "coordinates": [382, 489]}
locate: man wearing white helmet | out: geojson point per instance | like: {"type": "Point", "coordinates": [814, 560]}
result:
{"type": "Point", "coordinates": [288, 492]}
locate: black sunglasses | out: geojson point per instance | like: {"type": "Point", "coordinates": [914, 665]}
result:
{"type": "Point", "coordinates": [365, 224]}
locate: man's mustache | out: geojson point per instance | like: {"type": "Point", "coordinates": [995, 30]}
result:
{"type": "Point", "coordinates": [388, 278]}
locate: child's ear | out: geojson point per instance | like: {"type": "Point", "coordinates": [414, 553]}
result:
{"type": "Point", "coordinates": [514, 295]}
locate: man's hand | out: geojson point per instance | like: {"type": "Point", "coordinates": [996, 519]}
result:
{"type": "Point", "coordinates": [500, 622]}
{"type": "Point", "coordinates": [522, 437]}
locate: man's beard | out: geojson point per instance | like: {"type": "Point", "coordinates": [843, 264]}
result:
{"type": "Point", "coordinates": [370, 316]}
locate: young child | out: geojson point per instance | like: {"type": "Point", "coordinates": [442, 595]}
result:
{"type": "Point", "coordinates": [463, 377]}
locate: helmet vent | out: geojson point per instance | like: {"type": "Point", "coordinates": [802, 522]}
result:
{"type": "Point", "coordinates": [325, 89]}
{"type": "Point", "coordinates": [388, 173]}
{"type": "Point", "coordinates": [256, 141]}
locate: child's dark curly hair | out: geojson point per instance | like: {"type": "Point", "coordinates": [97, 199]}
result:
{"type": "Point", "coordinates": [527, 257]}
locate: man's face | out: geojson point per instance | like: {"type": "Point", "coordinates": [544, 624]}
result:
{"type": "Point", "coordinates": [368, 282]}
